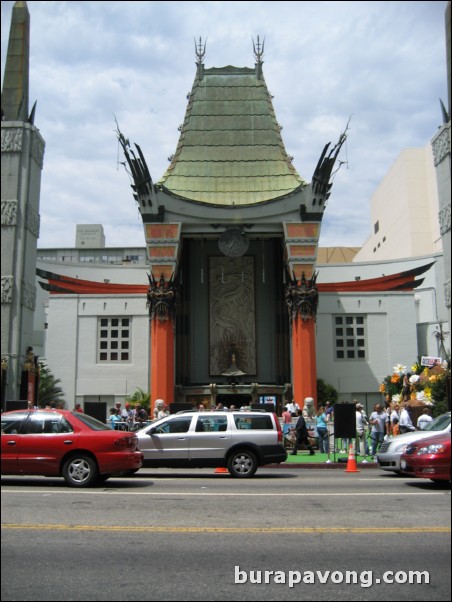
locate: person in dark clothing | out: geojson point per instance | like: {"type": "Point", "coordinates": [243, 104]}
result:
{"type": "Point", "coordinates": [301, 431]}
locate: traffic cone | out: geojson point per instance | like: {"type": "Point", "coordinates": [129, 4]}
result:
{"type": "Point", "coordinates": [351, 462]}
{"type": "Point", "coordinates": [221, 470]}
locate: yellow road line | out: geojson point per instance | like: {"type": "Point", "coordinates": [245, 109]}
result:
{"type": "Point", "coordinates": [286, 530]}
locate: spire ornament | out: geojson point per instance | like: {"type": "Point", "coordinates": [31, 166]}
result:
{"type": "Point", "coordinates": [200, 51]}
{"type": "Point", "coordinates": [258, 54]}
{"type": "Point", "coordinates": [258, 50]}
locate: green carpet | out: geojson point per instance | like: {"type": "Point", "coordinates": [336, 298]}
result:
{"type": "Point", "coordinates": [303, 457]}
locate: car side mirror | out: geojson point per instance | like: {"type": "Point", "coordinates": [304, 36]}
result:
{"type": "Point", "coordinates": [152, 430]}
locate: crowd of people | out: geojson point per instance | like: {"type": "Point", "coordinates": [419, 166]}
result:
{"type": "Point", "coordinates": [371, 430]}
{"type": "Point", "coordinates": [127, 418]}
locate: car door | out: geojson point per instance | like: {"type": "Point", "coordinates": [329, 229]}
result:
{"type": "Point", "coordinates": [211, 437]}
{"type": "Point", "coordinates": [167, 442]}
{"type": "Point", "coordinates": [46, 438]}
{"type": "Point", "coordinates": [11, 428]}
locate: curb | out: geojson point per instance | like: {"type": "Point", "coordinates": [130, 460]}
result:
{"type": "Point", "coordinates": [324, 465]}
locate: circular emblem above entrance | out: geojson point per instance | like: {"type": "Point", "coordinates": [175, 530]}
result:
{"type": "Point", "coordinates": [233, 243]}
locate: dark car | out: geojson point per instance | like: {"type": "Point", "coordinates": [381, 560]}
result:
{"type": "Point", "coordinates": [428, 458]}
{"type": "Point", "coordinates": [57, 443]}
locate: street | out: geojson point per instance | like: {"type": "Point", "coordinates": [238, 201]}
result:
{"type": "Point", "coordinates": [287, 534]}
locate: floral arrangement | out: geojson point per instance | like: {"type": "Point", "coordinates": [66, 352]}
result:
{"type": "Point", "coordinates": [422, 383]}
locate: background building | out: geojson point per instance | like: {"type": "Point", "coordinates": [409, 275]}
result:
{"type": "Point", "coordinates": [22, 163]}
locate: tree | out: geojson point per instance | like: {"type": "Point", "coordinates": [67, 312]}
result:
{"type": "Point", "coordinates": [48, 390]}
{"type": "Point", "coordinates": [325, 392]}
{"type": "Point", "coordinates": [141, 397]}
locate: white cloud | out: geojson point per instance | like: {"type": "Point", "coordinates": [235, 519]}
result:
{"type": "Point", "coordinates": [382, 63]}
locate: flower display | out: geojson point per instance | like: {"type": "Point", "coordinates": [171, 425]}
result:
{"type": "Point", "coordinates": [425, 384]}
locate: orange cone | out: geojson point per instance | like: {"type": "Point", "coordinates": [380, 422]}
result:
{"type": "Point", "coordinates": [351, 463]}
{"type": "Point", "coordinates": [221, 470]}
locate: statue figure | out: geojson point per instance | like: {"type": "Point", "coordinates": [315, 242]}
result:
{"type": "Point", "coordinates": [161, 298]}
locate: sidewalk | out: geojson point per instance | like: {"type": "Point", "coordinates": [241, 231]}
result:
{"type": "Point", "coordinates": [304, 460]}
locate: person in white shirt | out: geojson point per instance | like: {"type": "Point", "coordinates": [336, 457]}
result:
{"type": "Point", "coordinates": [361, 429]}
{"type": "Point", "coordinates": [424, 419]}
{"type": "Point", "coordinates": [405, 424]}
{"type": "Point", "coordinates": [292, 407]}
{"type": "Point", "coordinates": [394, 420]}
{"type": "Point", "coordinates": [379, 420]}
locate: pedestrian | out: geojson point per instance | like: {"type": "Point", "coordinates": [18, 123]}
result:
{"type": "Point", "coordinates": [140, 414]}
{"type": "Point", "coordinates": [405, 424]}
{"type": "Point", "coordinates": [287, 421]}
{"type": "Point", "coordinates": [362, 422]}
{"type": "Point", "coordinates": [394, 420]}
{"type": "Point", "coordinates": [329, 411]}
{"type": "Point", "coordinates": [424, 419]}
{"type": "Point", "coordinates": [78, 408]}
{"type": "Point", "coordinates": [379, 420]}
{"type": "Point", "coordinates": [130, 416]}
{"type": "Point", "coordinates": [322, 430]}
{"type": "Point", "coordinates": [114, 418]}
{"type": "Point", "coordinates": [163, 413]}
{"type": "Point", "coordinates": [302, 437]}
{"type": "Point", "coordinates": [292, 407]}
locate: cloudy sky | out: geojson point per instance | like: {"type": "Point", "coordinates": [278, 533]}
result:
{"type": "Point", "coordinates": [383, 63]}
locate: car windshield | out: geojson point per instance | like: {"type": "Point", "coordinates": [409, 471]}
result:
{"type": "Point", "coordinates": [91, 422]}
{"type": "Point", "coordinates": [439, 424]}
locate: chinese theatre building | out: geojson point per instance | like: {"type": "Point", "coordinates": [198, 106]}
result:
{"type": "Point", "coordinates": [231, 233]}
{"type": "Point", "coordinates": [229, 305]}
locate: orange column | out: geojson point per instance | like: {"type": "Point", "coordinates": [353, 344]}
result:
{"type": "Point", "coordinates": [304, 366]}
{"type": "Point", "coordinates": [162, 360]}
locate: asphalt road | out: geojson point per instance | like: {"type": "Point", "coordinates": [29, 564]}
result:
{"type": "Point", "coordinates": [195, 535]}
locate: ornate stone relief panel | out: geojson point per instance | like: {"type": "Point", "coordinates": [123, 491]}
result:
{"type": "Point", "coordinates": [32, 220]}
{"type": "Point", "coordinates": [444, 220]}
{"type": "Point", "coordinates": [28, 295]}
{"type": "Point", "coordinates": [7, 289]}
{"type": "Point", "coordinates": [12, 140]}
{"type": "Point", "coordinates": [441, 146]}
{"type": "Point", "coordinates": [9, 212]}
{"type": "Point", "coordinates": [232, 320]}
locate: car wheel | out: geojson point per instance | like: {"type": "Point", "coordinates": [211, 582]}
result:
{"type": "Point", "coordinates": [80, 471]}
{"type": "Point", "coordinates": [242, 464]}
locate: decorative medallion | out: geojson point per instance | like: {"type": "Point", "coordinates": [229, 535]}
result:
{"type": "Point", "coordinates": [233, 243]}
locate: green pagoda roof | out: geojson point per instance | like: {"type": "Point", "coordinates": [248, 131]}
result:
{"type": "Point", "coordinates": [230, 151]}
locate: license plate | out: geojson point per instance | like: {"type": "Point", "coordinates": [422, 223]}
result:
{"type": "Point", "coordinates": [403, 464]}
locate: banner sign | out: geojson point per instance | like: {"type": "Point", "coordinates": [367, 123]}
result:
{"type": "Point", "coordinates": [430, 361]}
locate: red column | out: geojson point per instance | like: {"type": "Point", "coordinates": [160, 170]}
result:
{"type": "Point", "coordinates": [162, 360]}
{"type": "Point", "coordinates": [304, 366]}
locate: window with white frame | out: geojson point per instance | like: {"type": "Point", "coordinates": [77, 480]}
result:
{"type": "Point", "coordinates": [114, 336]}
{"type": "Point", "coordinates": [350, 337]}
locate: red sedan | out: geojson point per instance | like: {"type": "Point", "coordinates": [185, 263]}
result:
{"type": "Point", "coordinates": [75, 446]}
{"type": "Point", "coordinates": [428, 458]}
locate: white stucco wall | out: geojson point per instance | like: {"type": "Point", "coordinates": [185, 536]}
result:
{"type": "Point", "coordinates": [405, 207]}
{"type": "Point", "coordinates": [71, 347]}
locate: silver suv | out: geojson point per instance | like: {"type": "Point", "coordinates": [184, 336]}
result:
{"type": "Point", "coordinates": [239, 441]}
